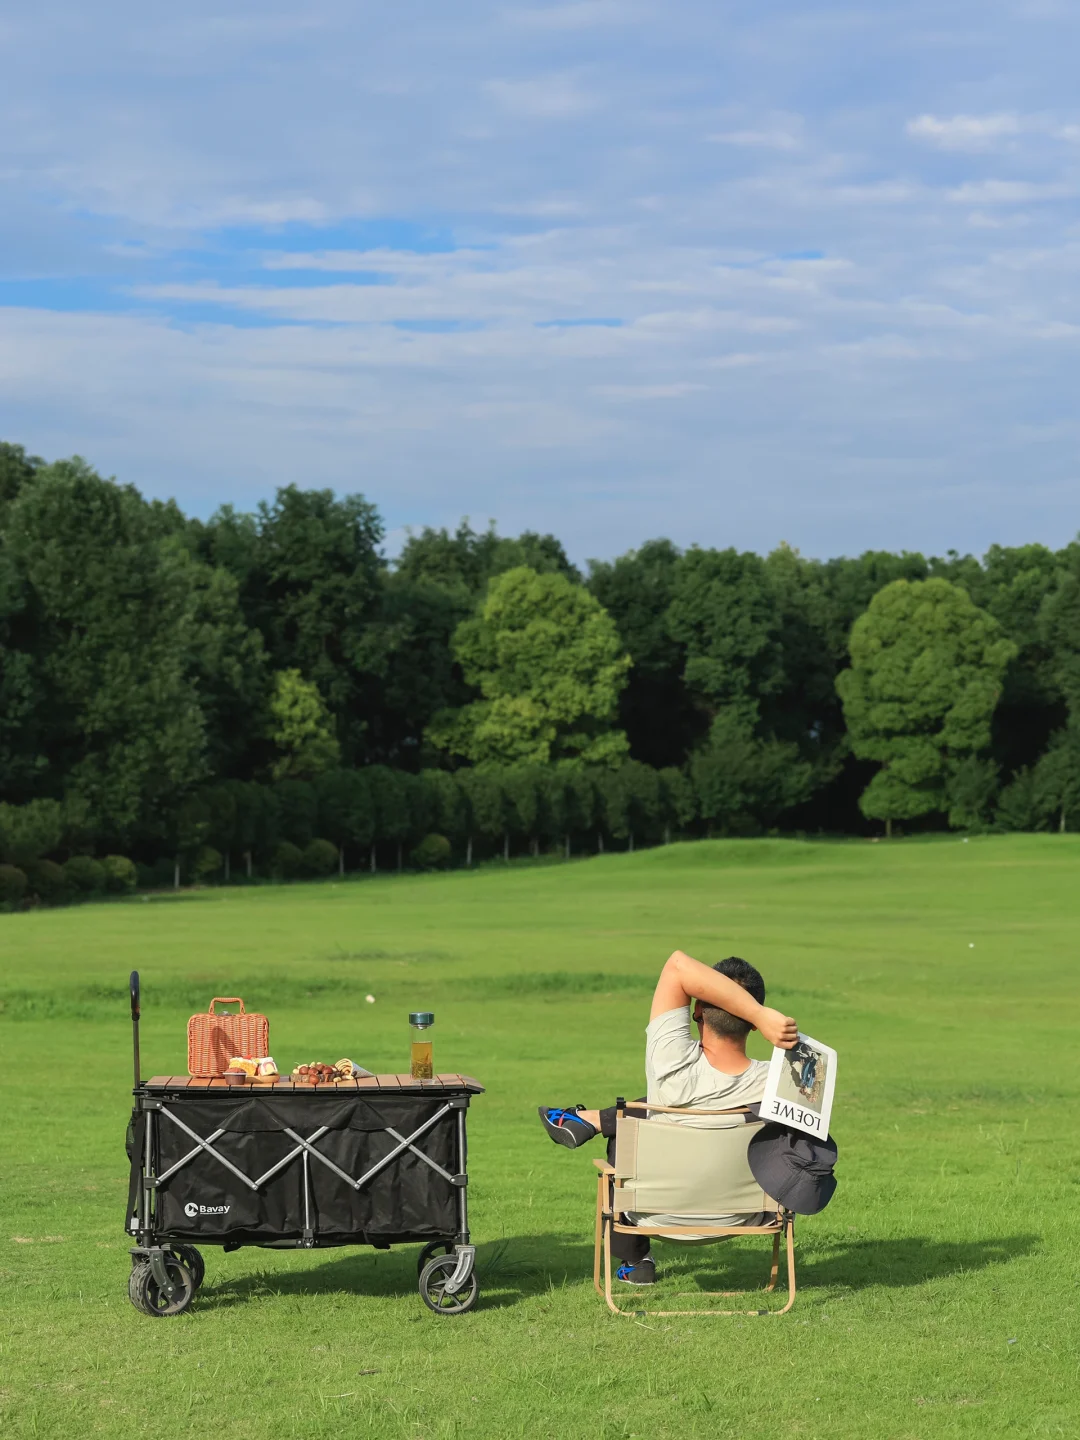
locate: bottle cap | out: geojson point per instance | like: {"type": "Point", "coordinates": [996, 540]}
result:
{"type": "Point", "coordinates": [422, 1019]}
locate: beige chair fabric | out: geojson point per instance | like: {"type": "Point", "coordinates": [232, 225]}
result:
{"type": "Point", "coordinates": [670, 1174]}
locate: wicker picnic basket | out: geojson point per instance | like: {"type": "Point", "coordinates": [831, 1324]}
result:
{"type": "Point", "coordinates": [213, 1040]}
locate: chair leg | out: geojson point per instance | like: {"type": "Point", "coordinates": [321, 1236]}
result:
{"type": "Point", "coordinates": [789, 1239]}
{"type": "Point", "coordinates": [775, 1263]}
{"type": "Point", "coordinates": [598, 1238]}
{"type": "Point", "coordinates": [607, 1223]}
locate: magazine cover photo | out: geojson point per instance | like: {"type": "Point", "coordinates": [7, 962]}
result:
{"type": "Point", "coordinates": [799, 1090]}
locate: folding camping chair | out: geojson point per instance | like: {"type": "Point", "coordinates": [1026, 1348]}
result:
{"type": "Point", "coordinates": [670, 1173]}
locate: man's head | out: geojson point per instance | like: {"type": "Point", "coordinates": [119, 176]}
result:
{"type": "Point", "coordinates": [722, 1022]}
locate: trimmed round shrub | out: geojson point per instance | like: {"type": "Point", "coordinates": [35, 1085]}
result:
{"type": "Point", "coordinates": [84, 874]}
{"type": "Point", "coordinates": [206, 864]}
{"type": "Point", "coordinates": [288, 861]}
{"type": "Point", "coordinates": [48, 882]}
{"type": "Point", "coordinates": [320, 858]}
{"type": "Point", "coordinates": [120, 874]}
{"type": "Point", "coordinates": [12, 884]}
{"type": "Point", "coordinates": [433, 853]}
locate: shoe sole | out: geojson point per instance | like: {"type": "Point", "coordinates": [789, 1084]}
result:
{"type": "Point", "coordinates": [560, 1134]}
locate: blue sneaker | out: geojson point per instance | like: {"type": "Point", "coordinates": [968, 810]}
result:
{"type": "Point", "coordinates": [565, 1126]}
{"type": "Point", "coordinates": [643, 1273]}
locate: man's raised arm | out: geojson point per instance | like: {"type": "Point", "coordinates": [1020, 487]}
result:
{"type": "Point", "coordinates": [684, 979]}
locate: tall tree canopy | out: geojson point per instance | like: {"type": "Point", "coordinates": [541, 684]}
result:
{"type": "Point", "coordinates": [926, 672]}
{"type": "Point", "coordinates": [546, 658]}
{"type": "Point", "coordinates": [109, 627]}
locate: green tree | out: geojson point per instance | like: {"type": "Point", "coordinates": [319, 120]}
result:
{"type": "Point", "coordinates": [468, 560]}
{"type": "Point", "coordinates": [17, 469]}
{"type": "Point", "coordinates": [107, 634]}
{"type": "Point", "coordinates": [1057, 779]}
{"type": "Point", "coordinates": [390, 802]}
{"type": "Point", "coordinates": [486, 803]}
{"type": "Point", "coordinates": [29, 832]}
{"type": "Point", "coordinates": [346, 810]}
{"type": "Point", "coordinates": [297, 809]}
{"type": "Point", "coordinates": [926, 672]}
{"type": "Point", "coordinates": [743, 784]}
{"type": "Point", "coordinates": [660, 719]}
{"type": "Point", "coordinates": [722, 612]}
{"type": "Point", "coordinates": [678, 806]}
{"type": "Point", "coordinates": [546, 659]}
{"type": "Point", "coordinates": [631, 796]}
{"type": "Point", "coordinates": [300, 728]}
{"type": "Point", "coordinates": [308, 571]}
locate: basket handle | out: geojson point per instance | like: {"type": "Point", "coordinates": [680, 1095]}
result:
{"type": "Point", "coordinates": [227, 1000]}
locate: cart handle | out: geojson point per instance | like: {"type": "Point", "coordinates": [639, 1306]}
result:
{"type": "Point", "coordinates": [227, 1000]}
{"type": "Point", "coordinates": [133, 991]}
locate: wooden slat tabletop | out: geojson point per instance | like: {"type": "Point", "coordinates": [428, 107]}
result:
{"type": "Point", "coordinates": [391, 1083]}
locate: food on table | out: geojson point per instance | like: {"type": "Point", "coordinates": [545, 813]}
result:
{"type": "Point", "coordinates": [319, 1074]}
{"type": "Point", "coordinates": [265, 1069]}
{"type": "Point", "coordinates": [242, 1065]}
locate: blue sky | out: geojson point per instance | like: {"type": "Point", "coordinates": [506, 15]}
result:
{"type": "Point", "coordinates": [733, 273]}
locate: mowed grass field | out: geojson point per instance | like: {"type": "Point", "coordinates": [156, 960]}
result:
{"type": "Point", "coordinates": [938, 1292]}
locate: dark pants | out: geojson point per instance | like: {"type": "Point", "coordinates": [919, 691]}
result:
{"type": "Point", "coordinates": [627, 1249]}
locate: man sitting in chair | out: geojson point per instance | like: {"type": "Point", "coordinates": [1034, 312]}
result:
{"type": "Point", "coordinates": [712, 1071]}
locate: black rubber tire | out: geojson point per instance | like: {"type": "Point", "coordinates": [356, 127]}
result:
{"type": "Point", "coordinates": [430, 1250]}
{"type": "Point", "coordinates": [433, 1280]}
{"type": "Point", "coordinates": [191, 1259]}
{"type": "Point", "coordinates": [144, 1294]}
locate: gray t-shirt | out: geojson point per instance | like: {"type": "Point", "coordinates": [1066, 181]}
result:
{"type": "Point", "coordinates": [677, 1072]}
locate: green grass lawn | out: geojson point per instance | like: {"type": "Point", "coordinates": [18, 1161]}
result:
{"type": "Point", "coordinates": [938, 1292]}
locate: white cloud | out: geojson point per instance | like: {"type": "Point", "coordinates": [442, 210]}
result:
{"type": "Point", "coordinates": [965, 132]}
{"type": "Point", "coordinates": [1010, 192]}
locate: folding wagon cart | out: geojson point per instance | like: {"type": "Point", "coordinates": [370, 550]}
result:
{"type": "Point", "coordinates": [287, 1165]}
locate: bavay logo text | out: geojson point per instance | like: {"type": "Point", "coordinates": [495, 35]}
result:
{"type": "Point", "coordinates": [191, 1209]}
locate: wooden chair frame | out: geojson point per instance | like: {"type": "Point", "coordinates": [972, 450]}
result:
{"type": "Point", "coordinates": [608, 1209]}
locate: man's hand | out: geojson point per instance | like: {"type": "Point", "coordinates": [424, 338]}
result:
{"type": "Point", "coordinates": [778, 1028]}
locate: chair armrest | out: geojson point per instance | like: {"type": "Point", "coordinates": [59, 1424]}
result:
{"type": "Point", "coordinates": [604, 1167]}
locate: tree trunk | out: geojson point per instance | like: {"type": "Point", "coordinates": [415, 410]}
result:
{"type": "Point", "coordinates": [667, 834]}
{"type": "Point", "coordinates": [566, 847]}
{"type": "Point", "coordinates": [341, 862]}
{"type": "Point", "coordinates": [599, 842]}
{"type": "Point", "coordinates": [1061, 822]}
{"type": "Point", "coordinates": [373, 865]}
{"type": "Point", "coordinates": [631, 845]}
{"type": "Point", "coordinates": [888, 829]}
{"type": "Point", "coordinates": [534, 847]}
{"type": "Point", "coordinates": [506, 847]}
{"type": "Point", "coordinates": [247, 862]}
{"type": "Point", "coordinates": [468, 853]}
{"type": "Point", "coordinates": [176, 874]}
{"type": "Point", "coordinates": [228, 867]}
{"type": "Point", "coordinates": [399, 856]}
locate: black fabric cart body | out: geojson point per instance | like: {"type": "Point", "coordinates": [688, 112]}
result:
{"type": "Point", "coordinates": [375, 1162]}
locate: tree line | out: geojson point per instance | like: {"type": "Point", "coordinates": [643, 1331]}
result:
{"type": "Point", "coordinates": [174, 689]}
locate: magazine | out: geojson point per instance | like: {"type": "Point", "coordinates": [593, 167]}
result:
{"type": "Point", "coordinates": [799, 1090]}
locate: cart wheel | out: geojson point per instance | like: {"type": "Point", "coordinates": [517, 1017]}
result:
{"type": "Point", "coordinates": [144, 1294]}
{"type": "Point", "coordinates": [430, 1250]}
{"type": "Point", "coordinates": [433, 1287]}
{"type": "Point", "coordinates": [192, 1260]}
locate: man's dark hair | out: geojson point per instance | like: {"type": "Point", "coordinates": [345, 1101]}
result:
{"type": "Point", "coordinates": [722, 1022]}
